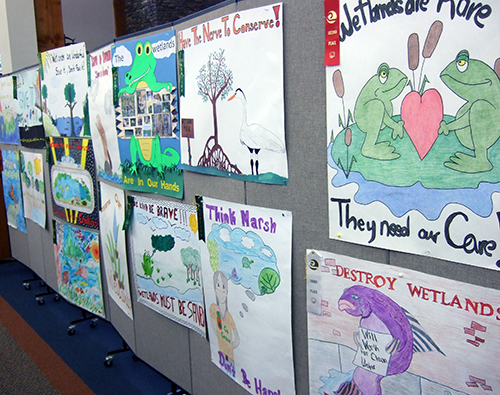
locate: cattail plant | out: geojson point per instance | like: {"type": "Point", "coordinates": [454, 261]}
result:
{"type": "Point", "coordinates": [348, 137]}
{"type": "Point", "coordinates": [338, 84]}
{"type": "Point", "coordinates": [429, 46]}
{"type": "Point", "coordinates": [413, 54]}
{"type": "Point", "coordinates": [432, 39]}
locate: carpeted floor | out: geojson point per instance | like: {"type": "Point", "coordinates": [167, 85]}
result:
{"type": "Point", "coordinates": [37, 356]}
{"type": "Point", "coordinates": [18, 373]}
{"type": "Point", "coordinates": [29, 364]}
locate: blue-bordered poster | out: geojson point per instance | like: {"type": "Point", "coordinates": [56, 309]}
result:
{"type": "Point", "coordinates": [147, 120]}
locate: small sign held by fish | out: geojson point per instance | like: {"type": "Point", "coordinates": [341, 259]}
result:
{"type": "Point", "coordinates": [372, 354]}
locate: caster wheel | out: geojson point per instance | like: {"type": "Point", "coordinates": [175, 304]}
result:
{"type": "Point", "coordinates": [108, 361]}
{"type": "Point", "coordinates": [93, 323]}
{"type": "Point", "coordinates": [27, 286]}
{"type": "Point", "coordinates": [57, 298]}
{"type": "Point", "coordinates": [71, 330]}
{"type": "Point", "coordinates": [40, 301]}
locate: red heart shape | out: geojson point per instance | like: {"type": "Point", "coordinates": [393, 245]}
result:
{"type": "Point", "coordinates": [422, 116]}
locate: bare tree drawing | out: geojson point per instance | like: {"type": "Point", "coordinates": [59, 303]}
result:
{"type": "Point", "coordinates": [214, 82]}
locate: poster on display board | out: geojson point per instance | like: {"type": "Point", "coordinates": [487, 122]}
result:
{"type": "Point", "coordinates": [33, 185]}
{"type": "Point", "coordinates": [9, 122]}
{"type": "Point", "coordinates": [72, 177]}
{"type": "Point", "coordinates": [12, 190]}
{"type": "Point", "coordinates": [378, 329]}
{"type": "Point", "coordinates": [78, 267]}
{"type": "Point", "coordinates": [111, 218]}
{"type": "Point", "coordinates": [147, 114]}
{"type": "Point", "coordinates": [246, 264]}
{"type": "Point", "coordinates": [102, 116]}
{"type": "Point", "coordinates": [29, 108]}
{"type": "Point", "coordinates": [232, 109]}
{"type": "Point", "coordinates": [163, 236]}
{"type": "Point", "coordinates": [64, 86]}
{"type": "Point", "coordinates": [413, 150]}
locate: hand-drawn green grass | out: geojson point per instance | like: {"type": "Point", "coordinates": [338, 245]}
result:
{"type": "Point", "coordinates": [409, 169]}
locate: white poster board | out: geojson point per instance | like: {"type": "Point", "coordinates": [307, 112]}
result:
{"type": "Point", "coordinates": [167, 266]}
{"type": "Point", "coordinates": [413, 151]}
{"type": "Point", "coordinates": [232, 111]}
{"type": "Point", "coordinates": [247, 272]}
{"type": "Point", "coordinates": [102, 116]}
{"type": "Point", "coordinates": [111, 218]}
{"type": "Point", "coordinates": [378, 328]}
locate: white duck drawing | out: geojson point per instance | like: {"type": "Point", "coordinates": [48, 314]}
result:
{"type": "Point", "coordinates": [255, 137]}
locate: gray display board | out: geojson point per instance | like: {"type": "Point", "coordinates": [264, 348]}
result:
{"type": "Point", "coordinates": [181, 354]}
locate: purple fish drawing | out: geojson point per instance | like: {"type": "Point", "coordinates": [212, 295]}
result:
{"type": "Point", "coordinates": [381, 314]}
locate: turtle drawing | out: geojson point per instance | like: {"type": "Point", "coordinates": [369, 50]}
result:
{"type": "Point", "coordinates": [246, 263]}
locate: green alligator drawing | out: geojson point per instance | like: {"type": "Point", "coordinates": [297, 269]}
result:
{"type": "Point", "coordinates": [169, 158]}
{"type": "Point", "coordinates": [143, 70]}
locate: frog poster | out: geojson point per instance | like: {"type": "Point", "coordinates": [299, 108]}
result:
{"type": "Point", "coordinates": [102, 116]}
{"type": "Point", "coordinates": [29, 108]}
{"type": "Point", "coordinates": [33, 185]}
{"type": "Point", "coordinates": [163, 236]}
{"type": "Point", "coordinates": [78, 267]}
{"type": "Point", "coordinates": [246, 264]}
{"type": "Point", "coordinates": [147, 120]}
{"type": "Point", "coordinates": [72, 178]}
{"type": "Point", "coordinates": [413, 126]}
{"type": "Point", "coordinates": [12, 190]}
{"type": "Point", "coordinates": [9, 122]}
{"type": "Point", "coordinates": [376, 329]}
{"type": "Point", "coordinates": [232, 109]}
{"type": "Point", "coordinates": [64, 86]}
{"type": "Point", "coordinates": [111, 218]}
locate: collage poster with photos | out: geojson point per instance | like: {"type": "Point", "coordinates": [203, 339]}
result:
{"type": "Point", "coordinates": [72, 173]}
{"type": "Point", "coordinates": [147, 115]}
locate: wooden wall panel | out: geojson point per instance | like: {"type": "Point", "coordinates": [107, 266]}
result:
{"type": "Point", "coordinates": [49, 24]}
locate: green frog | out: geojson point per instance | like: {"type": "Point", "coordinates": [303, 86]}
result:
{"type": "Point", "coordinates": [477, 123]}
{"type": "Point", "coordinates": [373, 111]}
